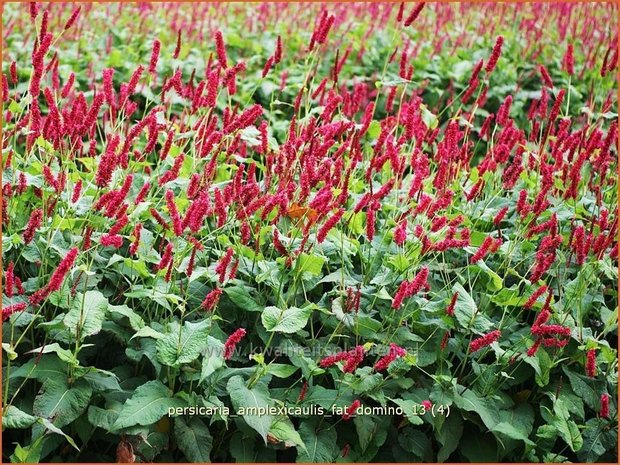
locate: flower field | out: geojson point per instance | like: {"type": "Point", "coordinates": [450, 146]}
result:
{"type": "Point", "coordinates": [271, 232]}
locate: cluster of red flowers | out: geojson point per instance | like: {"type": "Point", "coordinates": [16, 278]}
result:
{"type": "Point", "coordinates": [368, 160]}
{"type": "Point", "coordinates": [56, 279]}
{"type": "Point", "coordinates": [410, 288]}
{"type": "Point", "coordinates": [384, 362]}
{"type": "Point", "coordinates": [484, 341]}
{"type": "Point", "coordinates": [549, 335]}
{"type": "Point", "coordinates": [231, 343]}
{"type": "Point", "coordinates": [351, 359]}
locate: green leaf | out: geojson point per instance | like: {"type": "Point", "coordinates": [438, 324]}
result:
{"type": "Point", "coordinates": [417, 443]}
{"type": "Point", "coordinates": [86, 314]}
{"type": "Point", "coordinates": [102, 418]}
{"type": "Point", "coordinates": [147, 331]}
{"type": "Point", "coordinates": [311, 264]}
{"type": "Point", "coordinates": [213, 357]}
{"type": "Point", "coordinates": [14, 418]}
{"type": "Point", "coordinates": [495, 281]}
{"type": "Point", "coordinates": [281, 370]}
{"type": "Point", "coordinates": [183, 344]}
{"type": "Point", "coordinates": [100, 380]}
{"type": "Point", "coordinates": [54, 429]}
{"type": "Point", "coordinates": [61, 403]}
{"type": "Point", "coordinates": [370, 432]}
{"type": "Point", "coordinates": [28, 454]}
{"type": "Point", "coordinates": [478, 447]}
{"type": "Point", "coordinates": [289, 320]}
{"type": "Point", "coordinates": [374, 129]}
{"type": "Point", "coordinates": [542, 365]}
{"type": "Point", "coordinates": [249, 402]}
{"type": "Point", "coordinates": [449, 436]}
{"type": "Point", "coordinates": [467, 313]}
{"type": "Point", "coordinates": [135, 321]}
{"type": "Point", "coordinates": [148, 404]}
{"type": "Point", "coordinates": [321, 446]}
{"type": "Point", "coordinates": [484, 407]}
{"type": "Point", "coordinates": [63, 354]}
{"type": "Point", "coordinates": [567, 428]}
{"type": "Point", "coordinates": [411, 409]}
{"type": "Point", "coordinates": [429, 118]}
{"type": "Point", "coordinates": [593, 446]}
{"type": "Point", "coordinates": [586, 388]}
{"type": "Point", "coordinates": [283, 430]}
{"type": "Point", "coordinates": [194, 439]}
{"type": "Point", "coordinates": [10, 353]}
{"type": "Point", "coordinates": [49, 367]}
{"type": "Point", "coordinates": [508, 430]}
{"type": "Point", "coordinates": [242, 298]}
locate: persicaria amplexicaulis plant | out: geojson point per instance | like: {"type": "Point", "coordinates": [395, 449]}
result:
{"type": "Point", "coordinates": [387, 205]}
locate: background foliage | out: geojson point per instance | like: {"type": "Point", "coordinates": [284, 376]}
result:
{"type": "Point", "coordinates": [91, 371]}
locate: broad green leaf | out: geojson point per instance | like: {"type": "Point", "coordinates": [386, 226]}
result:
{"type": "Point", "coordinates": [467, 313]}
{"type": "Point", "coordinates": [508, 430]}
{"type": "Point", "coordinates": [484, 407]}
{"type": "Point", "coordinates": [63, 354]}
{"type": "Point", "coordinates": [566, 427]}
{"type": "Point", "coordinates": [593, 436]}
{"type": "Point", "coordinates": [281, 370]}
{"type": "Point", "coordinates": [586, 388]}
{"type": "Point", "coordinates": [449, 436]}
{"type": "Point", "coordinates": [86, 314]}
{"type": "Point", "coordinates": [312, 264]}
{"type": "Point", "coordinates": [60, 402]}
{"type": "Point", "coordinates": [183, 344]}
{"type": "Point", "coordinates": [100, 380]}
{"type": "Point", "coordinates": [242, 298]}
{"type": "Point", "coordinates": [102, 418]}
{"type": "Point", "coordinates": [320, 444]}
{"type": "Point", "coordinates": [495, 281]}
{"type": "Point", "coordinates": [54, 429]}
{"type": "Point", "coordinates": [411, 409]}
{"type": "Point", "coordinates": [288, 320]}
{"type": "Point", "coordinates": [346, 318]}
{"type": "Point", "coordinates": [48, 367]}
{"type": "Point", "coordinates": [417, 443]}
{"type": "Point", "coordinates": [213, 357]}
{"type": "Point", "coordinates": [194, 439]}
{"type": "Point", "coordinates": [14, 418]}
{"type": "Point", "coordinates": [283, 430]}
{"type": "Point", "coordinates": [149, 403]}
{"type": "Point", "coordinates": [28, 454]}
{"type": "Point", "coordinates": [542, 364]}
{"type": "Point", "coordinates": [370, 432]}
{"type": "Point", "coordinates": [249, 402]}
{"type": "Point", "coordinates": [135, 321]}
{"type": "Point", "coordinates": [326, 398]}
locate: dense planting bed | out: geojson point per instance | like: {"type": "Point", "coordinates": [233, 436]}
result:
{"type": "Point", "coordinates": [316, 233]}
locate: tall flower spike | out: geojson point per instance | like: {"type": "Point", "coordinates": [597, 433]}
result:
{"type": "Point", "coordinates": [211, 299]}
{"type": "Point", "coordinates": [231, 343]}
{"type": "Point", "coordinates": [154, 56]}
{"type": "Point", "coordinates": [495, 54]}
{"type": "Point", "coordinates": [351, 410]}
{"type": "Point", "coordinates": [177, 49]}
{"type": "Point", "coordinates": [71, 21]}
{"type": "Point", "coordinates": [591, 363]}
{"type": "Point", "coordinates": [220, 49]}
{"type": "Point", "coordinates": [34, 223]}
{"type": "Point", "coordinates": [414, 14]}
{"type": "Point", "coordinates": [484, 341]}
{"type": "Point", "coordinates": [604, 411]}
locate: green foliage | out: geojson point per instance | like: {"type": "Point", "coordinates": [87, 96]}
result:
{"type": "Point", "coordinates": [314, 231]}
